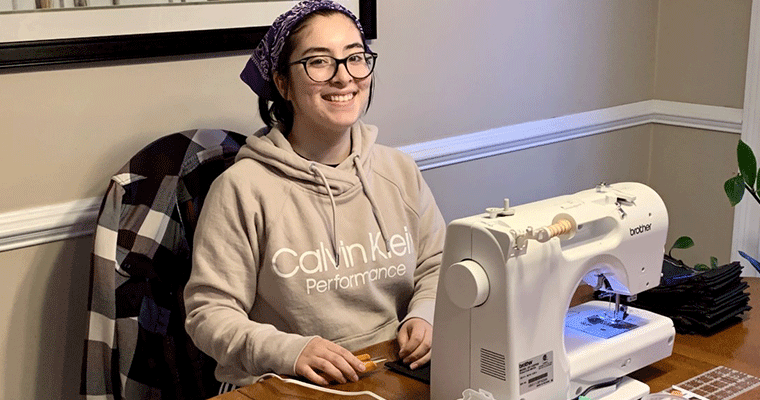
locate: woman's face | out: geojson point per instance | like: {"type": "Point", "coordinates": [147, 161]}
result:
{"type": "Point", "coordinates": [334, 105]}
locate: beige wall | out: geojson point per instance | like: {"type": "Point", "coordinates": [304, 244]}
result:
{"type": "Point", "coordinates": [43, 292]}
{"type": "Point", "coordinates": [688, 171]}
{"type": "Point", "coordinates": [701, 58]}
{"type": "Point", "coordinates": [541, 172]}
{"type": "Point", "coordinates": [459, 68]}
{"type": "Point", "coordinates": [65, 130]}
{"type": "Point", "coordinates": [72, 128]}
{"type": "Point", "coordinates": [702, 51]}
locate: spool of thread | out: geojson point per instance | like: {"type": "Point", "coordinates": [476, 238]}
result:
{"type": "Point", "coordinates": [560, 227]}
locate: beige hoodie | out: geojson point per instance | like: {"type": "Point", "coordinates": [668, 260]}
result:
{"type": "Point", "coordinates": [265, 279]}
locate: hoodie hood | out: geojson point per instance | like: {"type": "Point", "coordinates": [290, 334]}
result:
{"type": "Point", "coordinates": [270, 147]}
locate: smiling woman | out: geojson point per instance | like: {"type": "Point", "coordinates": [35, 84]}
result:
{"type": "Point", "coordinates": [323, 109]}
{"type": "Point", "coordinates": [330, 242]}
{"type": "Point", "coordinates": [44, 32]}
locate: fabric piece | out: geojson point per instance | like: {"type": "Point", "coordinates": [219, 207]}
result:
{"type": "Point", "coordinates": [258, 71]}
{"type": "Point", "coordinates": [136, 346]}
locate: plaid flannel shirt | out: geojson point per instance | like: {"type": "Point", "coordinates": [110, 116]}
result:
{"type": "Point", "coordinates": [136, 345]}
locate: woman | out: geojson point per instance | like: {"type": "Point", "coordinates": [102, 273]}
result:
{"type": "Point", "coordinates": [317, 241]}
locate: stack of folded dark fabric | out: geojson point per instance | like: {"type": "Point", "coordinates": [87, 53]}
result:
{"type": "Point", "coordinates": [697, 301]}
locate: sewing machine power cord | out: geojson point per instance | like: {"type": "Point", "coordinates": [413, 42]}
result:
{"type": "Point", "coordinates": [599, 386]}
{"type": "Point", "coordinates": [375, 396]}
{"type": "Point", "coordinates": [320, 388]}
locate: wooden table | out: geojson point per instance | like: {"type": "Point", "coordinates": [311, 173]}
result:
{"type": "Point", "coordinates": [736, 347]}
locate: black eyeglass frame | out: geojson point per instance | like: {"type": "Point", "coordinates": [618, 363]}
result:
{"type": "Point", "coordinates": [338, 62]}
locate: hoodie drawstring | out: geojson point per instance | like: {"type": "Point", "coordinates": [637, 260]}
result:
{"type": "Point", "coordinates": [365, 187]}
{"type": "Point", "coordinates": [313, 168]}
{"type": "Point", "coordinates": [375, 209]}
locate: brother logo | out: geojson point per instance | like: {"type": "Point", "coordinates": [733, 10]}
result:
{"type": "Point", "coordinates": [641, 229]}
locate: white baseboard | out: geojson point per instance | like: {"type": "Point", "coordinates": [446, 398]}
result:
{"type": "Point", "coordinates": [40, 225]}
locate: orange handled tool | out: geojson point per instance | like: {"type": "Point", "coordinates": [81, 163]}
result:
{"type": "Point", "coordinates": [369, 364]}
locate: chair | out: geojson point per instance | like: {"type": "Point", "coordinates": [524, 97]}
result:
{"type": "Point", "coordinates": [136, 345]}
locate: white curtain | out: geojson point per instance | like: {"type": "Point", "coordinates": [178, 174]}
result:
{"type": "Point", "coordinates": [746, 235]}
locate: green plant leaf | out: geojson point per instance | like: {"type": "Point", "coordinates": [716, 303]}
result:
{"type": "Point", "coordinates": [714, 262]}
{"type": "Point", "coordinates": [734, 188]}
{"type": "Point", "coordinates": [684, 242]}
{"type": "Point", "coordinates": [701, 267]}
{"type": "Point", "coordinates": [747, 163]}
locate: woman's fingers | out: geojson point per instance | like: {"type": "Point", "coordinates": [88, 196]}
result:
{"type": "Point", "coordinates": [333, 361]}
{"type": "Point", "coordinates": [338, 359]}
{"type": "Point", "coordinates": [421, 354]}
{"type": "Point", "coordinates": [332, 368]}
{"type": "Point", "coordinates": [415, 338]}
{"type": "Point", "coordinates": [310, 374]}
{"type": "Point", "coordinates": [420, 357]}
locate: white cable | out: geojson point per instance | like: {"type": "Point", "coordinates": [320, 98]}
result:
{"type": "Point", "coordinates": [319, 388]}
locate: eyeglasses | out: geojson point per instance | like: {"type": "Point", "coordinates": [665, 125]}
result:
{"type": "Point", "coordinates": [324, 68]}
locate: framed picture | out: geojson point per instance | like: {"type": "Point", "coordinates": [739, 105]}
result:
{"type": "Point", "coordinates": [48, 32]}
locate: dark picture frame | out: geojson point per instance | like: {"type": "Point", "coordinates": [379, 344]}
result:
{"type": "Point", "coordinates": [130, 46]}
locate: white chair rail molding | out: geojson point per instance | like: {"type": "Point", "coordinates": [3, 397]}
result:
{"type": "Point", "coordinates": [34, 226]}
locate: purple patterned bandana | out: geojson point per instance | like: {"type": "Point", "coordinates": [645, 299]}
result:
{"type": "Point", "coordinates": [258, 72]}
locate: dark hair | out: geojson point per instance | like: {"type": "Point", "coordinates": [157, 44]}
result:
{"type": "Point", "coordinates": [279, 111]}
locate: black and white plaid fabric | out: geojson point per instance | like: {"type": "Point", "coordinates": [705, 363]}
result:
{"type": "Point", "coordinates": [136, 345]}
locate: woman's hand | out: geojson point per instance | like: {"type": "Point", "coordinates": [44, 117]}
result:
{"type": "Point", "coordinates": [414, 338]}
{"type": "Point", "coordinates": [334, 362]}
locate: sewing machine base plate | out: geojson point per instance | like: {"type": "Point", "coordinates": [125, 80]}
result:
{"type": "Point", "coordinates": [594, 359]}
{"type": "Point", "coordinates": [627, 389]}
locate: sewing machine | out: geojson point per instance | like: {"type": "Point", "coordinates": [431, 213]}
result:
{"type": "Point", "coordinates": [503, 325]}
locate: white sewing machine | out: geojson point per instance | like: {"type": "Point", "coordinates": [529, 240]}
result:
{"type": "Point", "coordinates": [502, 322]}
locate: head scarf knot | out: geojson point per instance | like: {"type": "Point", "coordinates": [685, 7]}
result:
{"type": "Point", "coordinates": [258, 72]}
